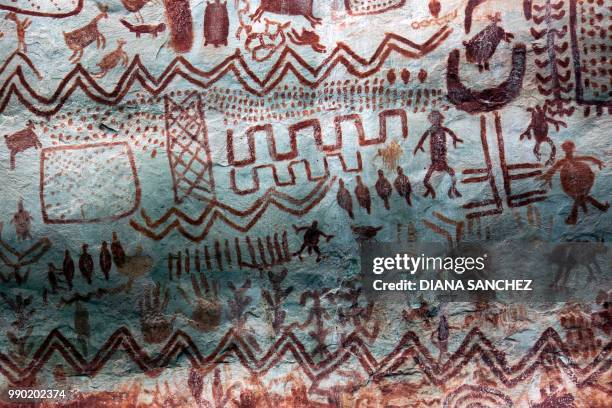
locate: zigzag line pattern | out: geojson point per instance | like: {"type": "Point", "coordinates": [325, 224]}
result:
{"type": "Point", "coordinates": [216, 210]}
{"type": "Point", "coordinates": [16, 84]}
{"type": "Point", "coordinates": [475, 346]}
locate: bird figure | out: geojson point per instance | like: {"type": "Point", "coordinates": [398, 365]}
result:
{"type": "Point", "coordinates": [52, 278]}
{"type": "Point", "coordinates": [384, 188]}
{"type": "Point", "coordinates": [362, 192]}
{"type": "Point", "coordinates": [402, 185]}
{"type": "Point", "coordinates": [345, 201]}
{"type": "Point", "coordinates": [105, 259]}
{"type": "Point", "coordinates": [117, 251]}
{"type": "Point", "coordinates": [86, 264]}
{"type": "Point", "coordinates": [482, 46]}
{"type": "Point", "coordinates": [365, 233]}
{"type": "Point", "coordinates": [68, 267]}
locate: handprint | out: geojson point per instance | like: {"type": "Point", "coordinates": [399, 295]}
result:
{"type": "Point", "coordinates": [154, 325]}
{"type": "Point", "coordinates": [206, 313]}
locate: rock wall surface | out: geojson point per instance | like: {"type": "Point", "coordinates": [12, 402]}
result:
{"type": "Point", "coordinates": [184, 187]}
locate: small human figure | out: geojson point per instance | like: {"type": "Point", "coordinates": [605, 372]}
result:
{"type": "Point", "coordinates": [86, 264]}
{"type": "Point", "coordinates": [20, 26]}
{"type": "Point", "coordinates": [345, 201]}
{"type": "Point", "coordinates": [68, 267]}
{"type": "Point", "coordinates": [402, 185]}
{"type": "Point", "coordinates": [22, 221]}
{"type": "Point", "coordinates": [438, 153]}
{"type": "Point", "coordinates": [362, 192]}
{"type": "Point", "coordinates": [577, 179]}
{"type": "Point", "coordinates": [311, 239]}
{"type": "Point", "coordinates": [118, 252]}
{"type": "Point", "coordinates": [384, 188]}
{"type": "Point", "coordinates": [105, 259]}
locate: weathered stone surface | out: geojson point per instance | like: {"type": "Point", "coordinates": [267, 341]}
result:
{"type": "Point", "coordinates": [164, 162]}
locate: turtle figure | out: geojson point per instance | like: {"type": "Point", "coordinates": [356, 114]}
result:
{"type": "Point", "coordinates": [577, 179]}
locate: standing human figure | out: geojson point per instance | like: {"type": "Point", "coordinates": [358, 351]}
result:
{"type": "Point", "coordinates": [577, 179]}
{"type": "Point", "coordinates": [437, 142]}
{"type": "Point", "coordinates": [312, 235]}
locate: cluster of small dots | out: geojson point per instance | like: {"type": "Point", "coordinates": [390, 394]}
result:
{"type": "Point", "coordinates": [595, 36]}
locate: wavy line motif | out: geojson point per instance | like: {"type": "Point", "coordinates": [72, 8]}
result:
{"type": "Point", "coordinates": [475, 346]}
{"type": "Point", "coordinates": [217, 210]}
{"type": "Point", "coordinates": [17, 85]}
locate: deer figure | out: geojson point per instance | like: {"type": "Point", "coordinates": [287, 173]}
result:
{"type": "Point", "coordinates": [287, 8]}
{"type": "Point", "coordinates": [112, 59]}
{"type": "Point", "coordinates": [80, 38]}
{"type": "Point", "coordinates": [20, 26]}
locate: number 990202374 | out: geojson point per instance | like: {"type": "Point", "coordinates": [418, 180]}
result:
{"type": "Point", "coordinates": [35, 394]}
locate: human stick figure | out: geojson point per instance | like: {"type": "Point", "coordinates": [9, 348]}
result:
{"type": "Point", "coordinates": [577, 179]}
{"type": "Point", "coordinates": [312, 235]}
{"type": "Point", "coordinates": [437, 142]}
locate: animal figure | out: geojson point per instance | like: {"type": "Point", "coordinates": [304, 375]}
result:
{"type": "Point", "coordinates": [22, 221]}
{"type": "Point", "coordinates": [362, 192]}
{"type": "Point", "coordinates": [402, 185]}
{"type": "Point", "coordinates": [310, 38]}
{"type": "Point", "coordinates": [112, 59]}
{"type": "Point", "coordinates": [20, 27]}
{"type": "Point", "coordinates": [266, 42]}
{"type": "Point", "coordinates": [21, 141]}
{"type": "Point", "coordinates": [180, 24]}
{"type": "Point", "coordinates": [82, 37]}
{"type": "Point", "coordinates": [289, 8]}
{"type": "Point", "coordinates": [539, 128]}
{"type": "Point", "coordinates": [152, 29]}
{"type": "Point", "coordinates": [437, 146]}
{"type": "Point", "coordinates": [216, 24]}
{"type": "Point", "coordinates": [577, 179]}
{"type": "Point", "coordinates": [365, 233]}
{"type": "Point", "coordinates": [481, 48]}
{"type": "Point", "coordinates": [384, 188]}
{"type": "Point", "coordinates": [568, 256]}
{"type": "Point", "coordinates": [345, 201]}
